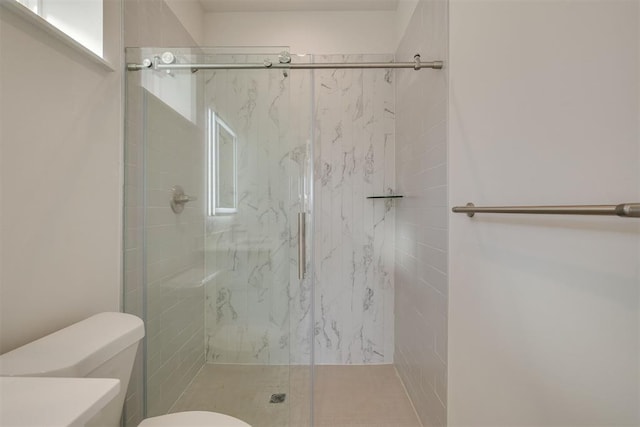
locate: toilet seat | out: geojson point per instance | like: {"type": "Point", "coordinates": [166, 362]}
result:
{"type": "Point", "coordinates": [193, 419]}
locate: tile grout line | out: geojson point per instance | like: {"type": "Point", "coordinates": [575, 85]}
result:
{"type": "Point", "coordinates": [186, 389]}
{"type": "Point", "coordinates": [406, 393]}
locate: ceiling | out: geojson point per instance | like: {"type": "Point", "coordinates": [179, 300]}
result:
{"type": "Point", "coordinates": [296, 5]}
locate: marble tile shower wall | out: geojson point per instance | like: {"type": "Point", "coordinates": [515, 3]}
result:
{"type": "Point", "coordinates": [421, 218]}
{"type": "Point", "coordinates": [354, 240]}
{"type": "Point", "coordinates": [301, 313]}
{"type": "Point", "coordinates": [249, 253]}
{"type": "Point", "coordinates": [257, 311]}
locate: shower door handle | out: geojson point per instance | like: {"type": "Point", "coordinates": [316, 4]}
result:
{"type": "Point", "coordinates": [302, 245]}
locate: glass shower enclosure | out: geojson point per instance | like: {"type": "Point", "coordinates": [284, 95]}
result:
{"type": "Point", "coordinates": [218, 177]}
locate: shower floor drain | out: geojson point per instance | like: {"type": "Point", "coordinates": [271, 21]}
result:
{"type": "Point", "coordinates": [278, 398]}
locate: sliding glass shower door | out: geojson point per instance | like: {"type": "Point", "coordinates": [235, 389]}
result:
{"type": "Point", "coordinates": [218, 173]}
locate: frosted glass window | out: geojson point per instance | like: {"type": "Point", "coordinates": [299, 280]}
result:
{"type": "Point", "coordinates": [31, 4]}
{"type": "Point", "coordinates": [79, 19]}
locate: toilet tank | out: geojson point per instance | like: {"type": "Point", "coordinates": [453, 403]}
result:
{"type": "Point", "coordinates": [102, 346]}
{"type": "Point", "coordinates": [76, 350]}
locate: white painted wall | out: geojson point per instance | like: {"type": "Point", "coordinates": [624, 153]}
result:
{"type": "Point", "coordinates": [60, 181]}
{"type": "Point", "coordinates": [61, 175]}
{"type": "Point", "coordinates": [305, 32]}
{"type": "Point", "coordinates": [543, 311]}
{"type": "Point", "coordinates": [404, 13]}
{"type": "Point", "coordinates": [191, 15]}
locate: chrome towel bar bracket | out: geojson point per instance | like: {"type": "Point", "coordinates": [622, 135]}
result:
{"type": "Point", "coordinates": [629, 210]}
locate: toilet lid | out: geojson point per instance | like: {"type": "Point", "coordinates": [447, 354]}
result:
{"type": "Point", "coordinates": [193, 419]}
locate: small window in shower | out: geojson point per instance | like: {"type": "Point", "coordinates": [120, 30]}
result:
{"type": "Point", "coordinates": [222, 181]}
{"type": "Point", "coordinates": [80, 20]}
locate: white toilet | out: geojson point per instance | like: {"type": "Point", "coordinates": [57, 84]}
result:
{"type": "Point", "coordinates": [102, 346]}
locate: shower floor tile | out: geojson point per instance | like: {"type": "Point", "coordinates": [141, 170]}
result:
{"type": "Point", "coordinates": [353, 396]}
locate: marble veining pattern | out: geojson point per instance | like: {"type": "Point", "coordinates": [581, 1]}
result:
{"type": "Point", "coordinates": [354, 158]}
{"type": "Point", "coordinates": [257, 311]}
{"type": "Point", "coordinates": [248, 253]}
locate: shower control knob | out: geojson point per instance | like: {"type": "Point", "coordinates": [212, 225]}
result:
{"type": "Point", "coordinates": [180, 199]}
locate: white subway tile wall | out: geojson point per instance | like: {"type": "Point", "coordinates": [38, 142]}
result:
{"type": "Point", "coordinates": [421, 217]}
{"type": "Point", "coordinates": [175, 260]}
{"type": "Point", "coordinates": [175, 263]}
{"type": "Point", "coordinates": [146, 23]}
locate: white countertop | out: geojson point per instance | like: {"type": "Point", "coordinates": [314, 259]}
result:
{"type": "Point", "coordinates": [29, 401]}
